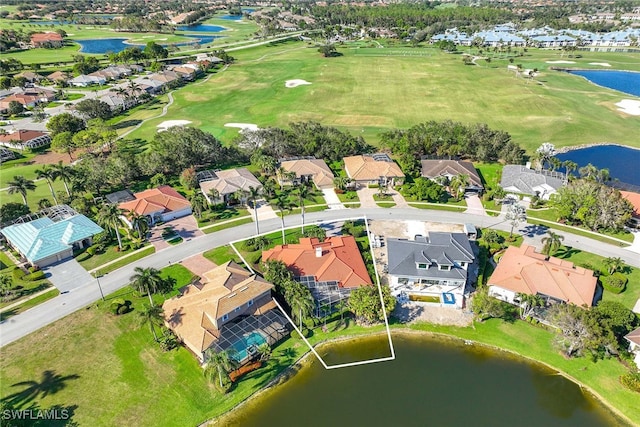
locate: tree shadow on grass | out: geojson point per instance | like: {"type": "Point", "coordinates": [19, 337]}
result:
{"type": "Point", "coordinates": [50, 383]}
{"type": "Point", "coordinates": [126, 123]}
{"type": "Point", "coordinates": [566, 252]}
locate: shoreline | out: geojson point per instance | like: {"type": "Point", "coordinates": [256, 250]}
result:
{"type": "Point", "coordinates": [564, 150]}
{"type": "Point", "coordinates": [303, 361]}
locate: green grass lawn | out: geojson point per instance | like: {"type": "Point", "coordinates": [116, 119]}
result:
{"type": "Point", "coordinates": [23, 288]}
{"type": "Point", "coordinates": [41, 192]}
{"type": "Point", "coordinates": [110, 254]}
{"type": "Point", "coordinates": [26, 305]}
{"type": "Point", "coordinates": [592, 261]}
{"type": "Point", "coordinates": [564, 109]}
{"type": "Point", "coordinates": [224, 225]}
{"type": "Point", "coordinates": [211, 217]}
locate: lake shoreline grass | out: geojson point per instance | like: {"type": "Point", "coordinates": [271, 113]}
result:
{"type": "Point", "coordinates": [407, 330]}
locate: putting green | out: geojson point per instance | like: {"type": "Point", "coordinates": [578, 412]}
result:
{"type": "Point", "coordinates": [368, 90]}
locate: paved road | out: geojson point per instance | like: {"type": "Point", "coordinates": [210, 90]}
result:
{"type": "Point", "coordinates": [56, 308]}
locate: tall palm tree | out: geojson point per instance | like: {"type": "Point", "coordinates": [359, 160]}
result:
{"type": "Point", "coordinates": [303, 193]}
{"type": "Point", "coordinates": [458, 184]}
{"type": "Point", "coordinates": [109, 216]}
{"type": "Point", "coordinates": [198, 203]}
{"type": "Point", "coordinates": [140, 223]}
{"type": "Point", "coordinates": [147, 280]}
{"type": "Point", "coordinates": [341, 182]}
{"type": "Point", "coordinates": [213, 195]}
{"type": "Point", "coordinates": [151, 315]}
{"type": "Point", "coordinates": [49, 174]}
{"type": "Point", "coordinates": [65, 173]}
{"type": "Point", "coordinates": [551, 242]}
{"type": "Point", "coordinates": [219, 363]}
{"type": "Point", "coordinates": [569, 167]}
{"type": "Point", "coordinates": [254, 193]}
{"type": "Point", "coordinates": [21, 185]}
{"type": "Point", "coordinates": [283, 205]}
{"type": "Point", "coordinates": [300, 300]}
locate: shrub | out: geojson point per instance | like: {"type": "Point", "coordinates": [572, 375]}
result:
{"type": "Point", "coordinates": [615, 283]}
{"type": "Point", "coordinates": [373, 186]}
{"type": "Point", "coordinates": [168, 341]}
{"type": "Point", "coordinates": [33, 269]}
{"type": "Point", "coordinates": [121, 306]}
{"type": "Point", "coordinates": [38, 275]}
{"type": "Point", "coordinates": [17, 273]}
{"type": "Point", "coordinates": [91, 250]}
{"type": "Point", "coordinates": [631, 381]}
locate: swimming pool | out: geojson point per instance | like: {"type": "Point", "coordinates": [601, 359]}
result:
{"type": "Point", "coordinates": [254, 339]}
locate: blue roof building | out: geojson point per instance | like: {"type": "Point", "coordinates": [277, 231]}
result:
{"type": "Point", "coordinates": [43, 242]}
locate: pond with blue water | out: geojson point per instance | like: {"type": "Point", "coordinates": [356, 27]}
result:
{"type": "Point", "coordinates": [623, 162]}
{"type": "Point", "coordinates": [116, 45]}
{"type": "Point", "coordinates": [623, 81]}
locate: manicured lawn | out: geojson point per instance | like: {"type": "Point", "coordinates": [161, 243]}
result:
{"type": "Point", "coordinates": [23, 288]}
{"type": "Point", "coordinates": [224, 225]}
{"type": "Point", "coordinates": [563, 108]}
{"type": "Point", "coordinates": [593, 261]}
{"type": "Point", "coordinates": [128, 259]}
{"type": "Point", "coordinates": [386, 204]}
{"type": "Point", "coordinates": [489, 173]}
{"type": "Point", "coordinates": [221, 254]}
{"type": "Point", "coordinates": [210, 217]}
{"type": "Point", "coordinates": [52, 293]}
{"type": "Point", "coordinates": [348, 196]}
{"type": "Point", "coordinates": [41, 192]}
{"type": "Point", "coordinates": [110, 254]}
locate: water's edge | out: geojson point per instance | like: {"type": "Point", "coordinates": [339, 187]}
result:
{"type": "Point", "coordinates": [304, 361]}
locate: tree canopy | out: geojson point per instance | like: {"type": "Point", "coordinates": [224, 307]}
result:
{"type": "Point", "coordinates": [94, 109]}
{"type": "Point", "coordinates": [365, 304]}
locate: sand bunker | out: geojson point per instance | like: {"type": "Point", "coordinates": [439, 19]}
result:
{"type": "Point", "coordinates": [242, 126]}
{"type": "Point", "coordinates": [171, 123]}
{"type": "Point", "coordinates": [296, 83]}
{"type": "Point", "coordinates": [629, 106]}
{"type": "Point", "coordinates": [560, 62]}
{"type": "Point", "coordinates": [602, 64]}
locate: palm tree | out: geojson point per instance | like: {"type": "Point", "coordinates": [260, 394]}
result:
{"type": "Point", "coordinates": [213, 195]}
{"type": "Point", "coordinates": [49, 174]}
{"type": "Point", "coordinates": [254, 193]}
{"type": "Point", "coordinates": [65, 173]}
{"type": "Point", "coordinates": [218, 363]}
{"type": "Point", "coordinates": [588, 172]}
{"type": "Point", "coordinates": [341, 182]}
{"type": "Point", "coordinates": [300, 300]}
{"type": "Point", "coordinates": [264, 352]}
{"type": "Point", "coordinates": [198, 203]}
{"type": "Point", "coordinates": [528, 304]}
{"type": "Point", "coordinates": [44, 203]}
{"type": "Point", "coordinates": [140, 222]}
{"type": "Point", "coordinates": [21, 185]}
{"type": "Point", "coordinates": [283, 205]}
{"type": "Point", "coordinates": [153, 316]}
{"type": "Point", "coordinates": [269, 188]}
{"type": "Point", "coordinates": [613, 264]}
{"type": "Point", "coordinates": [303, 193]}
{"type": "Point", "coordinates": [109, 216]}
{"type": "Point", "coordinates": [147, 280]}
{"type": "Point", "coordinates": [551, 243]}
{"type": "Point", "coordinates": [458, 185]}
{"type": "Point", "coordinates": [569, 167]}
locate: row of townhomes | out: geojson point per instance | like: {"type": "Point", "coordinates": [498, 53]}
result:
{"type": "Point", "coordinates": [545, 37]}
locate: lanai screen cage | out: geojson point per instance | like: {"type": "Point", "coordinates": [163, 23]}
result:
{"type": "Point", "coordinates": [55, 213]}
{"type": "Point", "coordinates": [242, 338]}
{"type": "Point", "coordinates": [327, 295]}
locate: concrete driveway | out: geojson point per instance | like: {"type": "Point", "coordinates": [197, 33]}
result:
{"type": "Point", "coordinates": [68, 275]}
{"type": "Point", "coordinates": [474, 205]}
{"type": "Point", "coordinates": [365, 195]}
{"type": "Point", "coordinates": [333, 202]}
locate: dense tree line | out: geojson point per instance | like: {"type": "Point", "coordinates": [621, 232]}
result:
{"type": "Point", "coordinates": [477, 142]}
{"type": "Point", "coordinates": [303, 139]}
{"type": "Point", "coordinates": [592, 204]}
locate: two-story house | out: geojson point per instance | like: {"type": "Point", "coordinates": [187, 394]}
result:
{"type": "Point", "coordinates": [431, 268]}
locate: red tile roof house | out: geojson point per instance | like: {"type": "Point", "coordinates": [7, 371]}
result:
{"type": "Point", "coordinates": [22, 139]}
{"type": "Point", "coordinates": [523, 270]}
{"type": "Point", "coordinates": [634, 199]}
{"type": "Point", "coordinates": [46, 40]}
{"type": "Point", "coordinates": [159, 204]}
{"type": "Point", "coordinates": [28, 101]}
{"type": "Point", "coordinates": [330, 269]}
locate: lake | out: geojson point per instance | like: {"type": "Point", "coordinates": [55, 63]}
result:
{"type": "Point", "coordinates": [623, 81]}
{"type": "Point", "coordinates": [622, 162]}
{"type": "Point", "coordinates": [201, 28]}
{"type": "Point", "coordinates": [432, 382]}
{"type": "Point", "coordinates": [118, 44]}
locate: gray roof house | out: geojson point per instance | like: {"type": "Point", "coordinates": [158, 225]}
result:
{"type": "Point", "coordinates": [430, 268]}
{"type": "Point", "coordinates": [433, 168]}
{"type": "Point", "coordinates": [522, 180]}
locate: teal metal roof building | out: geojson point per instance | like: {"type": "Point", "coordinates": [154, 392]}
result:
{"type": "Point", "coordinates": [43, 242]}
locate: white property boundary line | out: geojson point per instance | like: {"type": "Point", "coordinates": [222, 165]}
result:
{"type": "Point", "coordinates": [384, 311]}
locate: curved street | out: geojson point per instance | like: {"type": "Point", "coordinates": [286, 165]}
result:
{"type": "Point", "coordinates": [48, 312]}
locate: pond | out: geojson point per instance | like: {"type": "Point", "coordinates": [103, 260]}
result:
{"type": "Point", "coordinates": [118, 44]}
{"type": "Point", "coordinates": [622, 162]}
{"type": "Point", "coordinates": [623, 81]}
{"type": "Point", "coordinates": [201, 28]}
{"type": "Point", "coordinates": [236, 17]}
{"type": "Point", "coordinates": [431, 382]}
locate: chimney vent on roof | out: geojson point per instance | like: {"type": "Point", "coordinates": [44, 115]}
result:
{"type": "Point", "coordinates": [319, 252]}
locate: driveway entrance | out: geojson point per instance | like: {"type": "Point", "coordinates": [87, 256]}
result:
{"type": "Point", "coordinates": [68, 275]}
